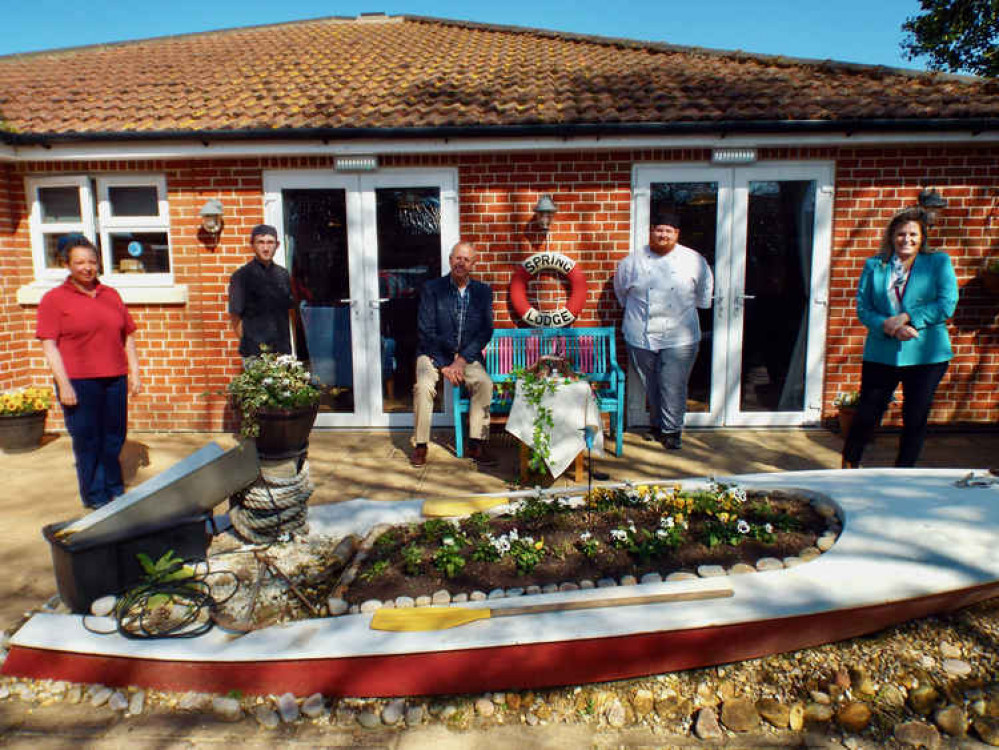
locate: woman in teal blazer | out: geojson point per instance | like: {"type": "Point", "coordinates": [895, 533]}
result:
{"type": "Point", "coordinates": [906, 294]}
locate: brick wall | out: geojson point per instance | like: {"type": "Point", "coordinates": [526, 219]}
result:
{"type": "Point", "coordinates": [189, 354]}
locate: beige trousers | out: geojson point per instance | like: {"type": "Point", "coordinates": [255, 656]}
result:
{"type": "Point", "coordinates": [479, 385]}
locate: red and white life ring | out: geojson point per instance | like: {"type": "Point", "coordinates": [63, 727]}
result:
{"type": "Point", "coordinates": [560, 264]}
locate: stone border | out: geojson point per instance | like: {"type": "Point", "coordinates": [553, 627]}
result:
{"type": "Point", "coordinates": [822, 504]}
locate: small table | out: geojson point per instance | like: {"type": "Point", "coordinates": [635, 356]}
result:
{"type": "Point", "coordinates": [573, 409]}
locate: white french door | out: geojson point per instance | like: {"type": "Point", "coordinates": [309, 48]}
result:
{"type": "Point", "coordinates": [358, 248]}
{"type": "Point", "coordinates": [766, 232]}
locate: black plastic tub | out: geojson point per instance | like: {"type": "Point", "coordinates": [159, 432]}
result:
{"type": "Point", "coordinates": [87, 572]}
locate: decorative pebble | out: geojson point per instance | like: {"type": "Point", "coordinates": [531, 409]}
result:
{"type": "Point", "coordinates": [616, 715]}
{"type": "Point", "coordinates": [103, 606]}
{"type": "Point", "coordinates": [414, 716]}
{"type": "Point", "coordinates": [651, 578]}
{"type": "Point", "coordinates": [227, 709]}
{"type": "Point", "coordinates": [337, 606]}
{"type": "Point", "coordinates": [825, 542]}
{"type": "Point", "coordinates": [404, 602]}
{"type": "Point", "coordinates": [706, 725]}
{"type": "Point", "coordinates": [774, 712]}
{"type": "Point", "coordinates": [819, 697]}
{"type": "Point", "coordinates": [643, 702]}
{"type": "Point", "coordinates": [287, 707]}
{"type": "Point", "coordinates": [568, 586]}
{"type": "Point", "coordinates": [824, 508]}
{"type": "Point", "coordinates": [497, 594]}
{"type": "Point", "coordinates": [710, 571]}
{"type": "Point", "coordinates": [606, 583]}
{"type": "Point", "coordinates": [949, 651]}
{"type": "Point", "coordinates": [477, 596]}
{"type": "Point", "coordinates": [923, 699]}
{"type": "Point", "coordinates": [549, 588]}
{"type": "Point", "coordinates": [740, 569]}
{"type": "Point", "coordinates": [769, 563]}
{"type": "Point", "coordinates": [355, 609]}
{"type": "Point", "coordinates": [423, 601]}
{"type": "Point", "coordinates": [810, 553]}
{"type": "Point", "coordinates": [441, 596]}
{"type": "Point", "coordinates": [681, 575]}
{"type": "Point", "coordinates": [953, 720]}
{"type": "Point", "coordinates": [267, 717]}
{"type": "Point", "coordinates": [459, 598]}
{"type": "Point", "coordinates": [796, 717]}
{"type": "Point", "coordinates": [629, 580]}
{"type": "Point", "coordinates": [4, 692]}
{"type": "Point", "coordinates": [118, 701]}
{"type": "Point", "coordinates": [393, 713]}
{"type": "Point", "coordinates": [101, 696]}
{"type": "Point", "coordinates": [498, 698]}
{"type": "Point", "coordinates": [586, 584]}
{"type": "Point", "coordinates": [74, 694]}
{"type": "Point", "coordinates": [740, 715]}
{"type": "Point", "coordinates": [918, 734]}
{"type": "Point", "coordinates": [818, 713]}
{"type": "Point", "coordinates": [854, 716]}
{"type": "Point", "coordinates": [370, 606]}
{"type": "Point", "coordinates": [987, 728]}
{"type": "Point", "coordinates": [137, 703]}
{"type": "Point", "coordinates": [314, 706]}
{"type": "Point", "coordinates": [484, 707]}
{"type": "Point", "coordinates": [533, 589]}
{"type": "Point", "coordinates": [791, 562]}
{"type": "Point", "coordinates": [956, 667]}
{"type": "Point", "coordinates": [368, 719]}
{"type": "Point", "coordinates": [531, 720]}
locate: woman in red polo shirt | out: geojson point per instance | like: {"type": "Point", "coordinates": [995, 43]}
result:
{"type": "Point", "coordinates": [87, 336]}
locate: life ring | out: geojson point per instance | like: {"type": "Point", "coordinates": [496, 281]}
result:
{"type": "Point", "coordinates": [560, 264]}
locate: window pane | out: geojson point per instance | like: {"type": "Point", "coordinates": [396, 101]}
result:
{"type": "Point", "coordinates": [140, 252]}
{"type": "Point", "coordinates": [133, 201]}
{"type": "Point", "coordinates": [59, 204]}
{"type": "Point", "coordinates": [52, 259]}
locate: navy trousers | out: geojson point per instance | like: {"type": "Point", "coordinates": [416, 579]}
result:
{"type": "Point", "coordinates": [877, 385]}
{"type": "Point", "coordinates": [98, 425]}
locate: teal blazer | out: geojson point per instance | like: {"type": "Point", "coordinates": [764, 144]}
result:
{"type": "Point", "coordinates": [930, 298]}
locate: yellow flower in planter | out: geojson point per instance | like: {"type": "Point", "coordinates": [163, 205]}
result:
{"type": "Point", "coordinates": [25, 401]}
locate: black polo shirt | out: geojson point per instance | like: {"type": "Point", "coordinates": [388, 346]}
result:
{"type": "Point", "coordinates": [261, 296]}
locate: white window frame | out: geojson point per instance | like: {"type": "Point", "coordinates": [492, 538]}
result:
{"type": "Point", "coordinates": [107, 224]}
{"type": "Point", "coordinates": [87, 225]}
{"type": "Point", "coordinates": [96, 221]}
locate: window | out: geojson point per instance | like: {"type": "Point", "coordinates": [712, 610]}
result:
{"type": "Point", "coordinates": [127, 217]}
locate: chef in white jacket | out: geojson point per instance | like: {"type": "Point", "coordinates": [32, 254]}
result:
{"type": "Point", "coordinates": [660, 287]}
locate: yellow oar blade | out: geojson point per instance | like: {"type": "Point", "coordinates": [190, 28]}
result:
{"type": "Point", "coordinates": [426, 618]}
{"type": "Point", "coordinates": [447, 508]}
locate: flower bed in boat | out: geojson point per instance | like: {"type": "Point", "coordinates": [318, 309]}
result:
{"type": "Point", "coordinates": [610, 533]}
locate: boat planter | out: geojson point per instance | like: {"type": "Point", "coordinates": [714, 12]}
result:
{"type": "Point", "coordinates": [914, 542]}
{"type": "Point", "coordinates": [284, 433]}
{"type": "Point", "coordinates": [22, 431]}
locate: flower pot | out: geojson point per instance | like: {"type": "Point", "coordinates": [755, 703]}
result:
{"type": "Point", "coordinates": [22, 431]}
{"type": "Point", "coordinates": [284, 433]}
{"type": "Point", "coordinates": [845, 419]}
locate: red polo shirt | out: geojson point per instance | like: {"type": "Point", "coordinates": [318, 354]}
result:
{"type": "Point", "coordinates": [90, 332]}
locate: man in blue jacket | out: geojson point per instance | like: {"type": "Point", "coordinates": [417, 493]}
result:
{"type": "Point", "coordinates": [455, 322]}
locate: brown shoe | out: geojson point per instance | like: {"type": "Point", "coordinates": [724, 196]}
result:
{"type": "Point", "coordinates": [418, 457]}
{"type": "Point", "coordinates": [478, 453]}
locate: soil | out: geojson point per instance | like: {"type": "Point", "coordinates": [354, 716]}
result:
{"type": "Point", "coordinates": [564, 562]}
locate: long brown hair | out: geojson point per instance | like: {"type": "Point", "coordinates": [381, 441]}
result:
{"type": "Point", "coordinates": [917, 215]}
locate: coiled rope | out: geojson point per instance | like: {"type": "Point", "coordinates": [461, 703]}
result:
{"type": "Point", "coordinates": [271, 506]}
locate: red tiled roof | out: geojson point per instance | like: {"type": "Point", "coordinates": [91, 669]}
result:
{"type": "Point", "coordinates": [416, 73]}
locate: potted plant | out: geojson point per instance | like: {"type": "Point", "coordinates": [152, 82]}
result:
{"type": "Point", "coordinates": [277, 403]}
{"type": "Point", "coordinates": [846, 402]}
{"type": "Point", "coordinates": [990, 274]}
{"type": "Point", "coordinates": [22, 416]}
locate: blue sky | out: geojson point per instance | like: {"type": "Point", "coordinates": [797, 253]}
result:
{"type": "Point", "coordinates": [863, 31]}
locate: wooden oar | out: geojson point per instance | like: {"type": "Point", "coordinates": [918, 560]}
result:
{"type": "Point", "coordinates": [441, 618]}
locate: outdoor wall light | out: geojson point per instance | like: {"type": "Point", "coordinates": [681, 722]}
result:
{"type": "Point", "coordinates": [544, 212]}
{"type": "Point", "coordinates": [930, 199]}
{"type": "Point", "coordinates": [211, 216]}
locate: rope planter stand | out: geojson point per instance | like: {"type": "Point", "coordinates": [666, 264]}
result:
{"type": "Point", "coordinates": [272, 505]}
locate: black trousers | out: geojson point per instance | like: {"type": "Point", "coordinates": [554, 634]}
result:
{"type": "Point", "coordinates": [877, 384]}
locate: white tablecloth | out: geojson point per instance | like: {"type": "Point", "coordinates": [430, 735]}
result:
{"type": "Point", "coordinates": [573, 409]}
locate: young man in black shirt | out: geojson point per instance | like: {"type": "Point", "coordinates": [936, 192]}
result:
{"type": "Point", "coordinates": [260, 298]}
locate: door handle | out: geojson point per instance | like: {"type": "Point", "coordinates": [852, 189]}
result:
{"type": "Point", "coordinates": [376, 303]}
{"type": "Point", "coordinates": [347, 301]}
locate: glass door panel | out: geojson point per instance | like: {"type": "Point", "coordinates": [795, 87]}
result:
{"type": "Point", "coordinates": [696, 203]}
{"type": "Point", "coordinates": [408, 236]}
{"type": "Point", "coordinates": [775, 309]}
{"type": "Point", "coordinates": [318, 258]}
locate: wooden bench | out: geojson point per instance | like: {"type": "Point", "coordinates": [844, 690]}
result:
{"type": "Point", "coordinates": [592, 352]}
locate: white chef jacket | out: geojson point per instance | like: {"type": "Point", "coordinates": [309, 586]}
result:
{"type": "Point", "coordinates": [660, 295]}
